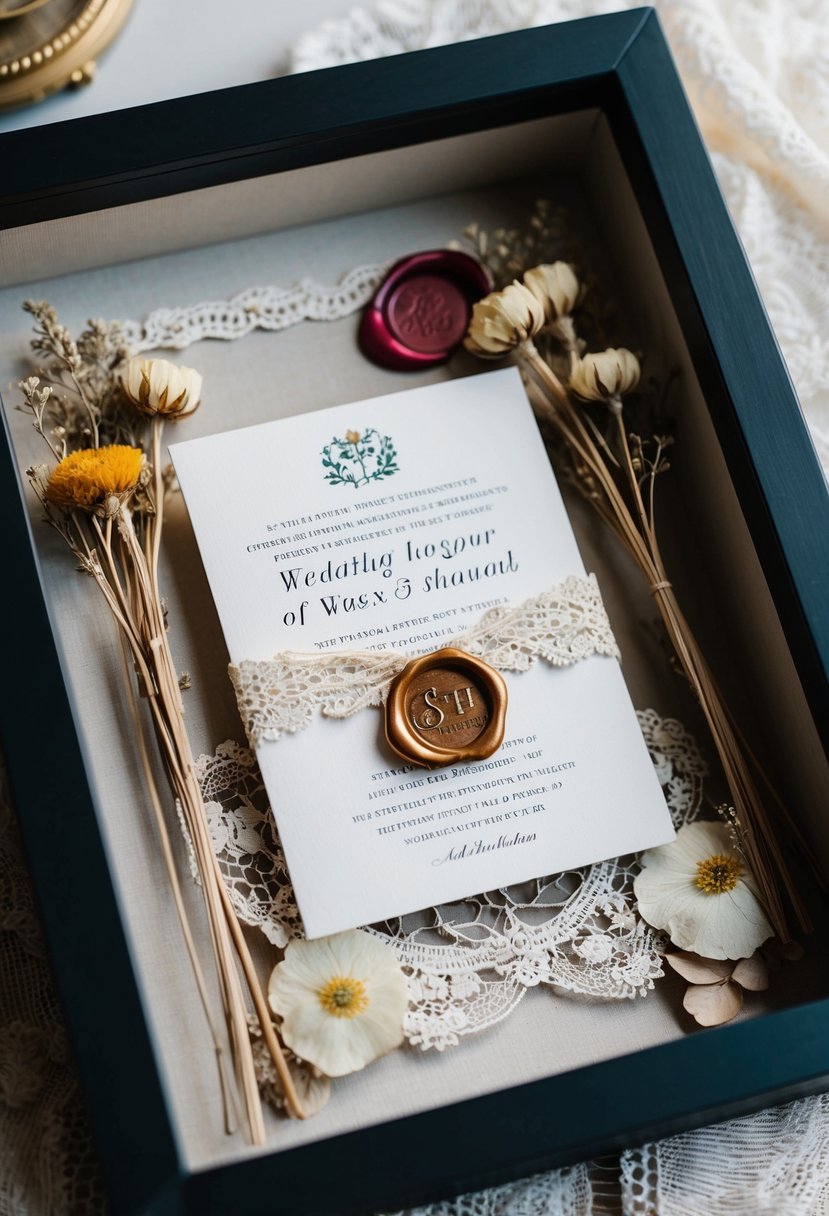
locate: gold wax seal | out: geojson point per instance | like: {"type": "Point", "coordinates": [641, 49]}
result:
{"type": "Point", "coordinates": [445, 707]}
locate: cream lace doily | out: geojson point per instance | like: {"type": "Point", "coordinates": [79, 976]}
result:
{"type": "Point", "coordinates": [281, 695]}
{"type": "Point", "coordinates": [469, 964]}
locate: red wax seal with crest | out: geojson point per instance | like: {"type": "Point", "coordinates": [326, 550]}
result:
{"type": "Point", "coordinates": [420, 311]}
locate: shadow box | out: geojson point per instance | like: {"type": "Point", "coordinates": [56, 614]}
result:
{"type": "Point", "coordinates": [308, 177]}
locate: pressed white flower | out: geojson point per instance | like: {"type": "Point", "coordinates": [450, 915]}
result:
{"type": "Point", "coordinates": [157, 386]}
{"type": "Point", "coordinates": [502, 320]}
{"type": "Point", "coordinates": [605, 376]}
{"type": "Point", "coordinates": [342, 1000]}
{"type": "Point", "coordinates": [699, 889]}
{"type": "Point", "coordinates": [555, 286]}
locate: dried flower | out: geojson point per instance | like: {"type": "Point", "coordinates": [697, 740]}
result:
{"type": "Point", "coordinates": [715, 990]}
{"type": "Point", "coordinates": [555, 286]}
{"type": "Point", "coordinates": [699, 889]}
{"type": "Point", "coordinates": [606, 376]}
{"type": "Point", "coordinates": [312, 1086]}
{"type": "Point", "coordinates": [342, 1000]}
{"type": "Point", "coordinates": [96, 479]}
{"type": "Point", "coordinates": [352, 436]}
{"type": "Point", "coordinates": [157, 386]}
{"type": "Point", "coordinates": [502, 320]}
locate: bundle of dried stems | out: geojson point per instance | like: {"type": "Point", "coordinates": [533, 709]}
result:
{"type": "Point", "coordinates": [105, 497]}
{"type": "Point", "coordinates": [616, 472]}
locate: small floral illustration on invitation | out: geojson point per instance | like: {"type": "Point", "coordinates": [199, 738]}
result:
{"type": "Point", "coordinates": [358, 458]}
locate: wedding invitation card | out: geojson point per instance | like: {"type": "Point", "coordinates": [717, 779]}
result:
{"type": "Point", "coordinates": [393, 526]}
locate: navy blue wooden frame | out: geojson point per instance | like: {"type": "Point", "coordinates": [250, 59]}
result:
{"type": "Point", "coordinates": [620, 64]}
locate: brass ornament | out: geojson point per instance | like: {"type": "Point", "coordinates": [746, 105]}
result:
{"type": "Point", "coordinates": [444, 708]}
{"type": "Point", "coordinates": [53, 44]}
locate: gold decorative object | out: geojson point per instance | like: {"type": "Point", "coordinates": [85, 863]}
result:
{"type": "Point", "coordinates": [446, 707]}
{"type": "Point", "coordinates": [46, 45]}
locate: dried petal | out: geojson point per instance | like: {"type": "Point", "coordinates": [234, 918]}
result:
{"type": "Point", "coordinates": [752, 973]}
{"type": "Point", "coordinates": [555, 286]}
{"type": "Point", "coordinates": [713, 1004]}
{"type": "Point", "coordinates": [313, 1087]}
{"type": "Point", "coordinates": [699, 970]}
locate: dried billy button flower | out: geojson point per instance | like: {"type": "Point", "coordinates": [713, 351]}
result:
{"type": "Point", "coordinates": [156, 386]}
{"type": "Point", "coordinates": [555, 286]}
{"type": "Point", "coordinates": [503, 320]}
{"type": "Point", "coordinates": [98, 480]}
{"type": "Point", "coordinates": [606, 376]}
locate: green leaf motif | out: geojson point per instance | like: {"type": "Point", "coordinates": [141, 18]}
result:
{"type": "Point", "coordinates": [360, 457]}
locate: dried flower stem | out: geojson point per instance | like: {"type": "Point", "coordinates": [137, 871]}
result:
{"type": "Point", "coordinates": [167, 712]}
{"type": "Point", "coordinates": [110, 550]}
{"type": "Point", "coordinates": [635, 528]}
{"type": "Point", "coordinates": [79, 402]}
{"type": "Point", "coordinates": [175, 886]}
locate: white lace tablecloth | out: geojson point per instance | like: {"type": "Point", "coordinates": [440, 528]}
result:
{"type": "Point", "coordinates": [757, 72]}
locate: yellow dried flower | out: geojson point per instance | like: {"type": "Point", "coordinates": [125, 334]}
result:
{"type": "Point", "coordinates": [352, 436]}
{"type": "Point", "coordinates": [605, 376]}
{"type": "Point", "coordinates": [96, 479]}
{"type": "Point", "coordinates": [503, 320]}
{"type": "Point", "coordinates": [555, 286]}
{"type": "Point", "coordinates": [156, 386]}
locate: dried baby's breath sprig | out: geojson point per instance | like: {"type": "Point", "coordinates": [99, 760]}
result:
{"type": "Point", "coordinates": [106, 500]}
{"type": "Point", "coordinates": [508, 253]}
{"type": "Point", "coordinates": [86, 402]}
{"type": "Point", "coordinates": [616, 474]}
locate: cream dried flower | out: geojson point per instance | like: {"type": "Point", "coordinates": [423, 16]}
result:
{"type": "Point", "coordinates": [503, 320]}
{"type": "Point", "coordinates": [342, 1000]}
{"type": "Point", "coordinates": [605, 376]}
{"type": "Point", "coordinates": [555, 286]}
{"type": "Point", "coordinates": [156, 386]}
{"type": "Point", "coordinates": [699, 889]}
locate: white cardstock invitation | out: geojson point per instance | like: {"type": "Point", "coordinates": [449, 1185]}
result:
{"type": "Point", "coordinates": [394, 524]}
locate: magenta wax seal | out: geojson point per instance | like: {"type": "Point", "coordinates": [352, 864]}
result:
{"type": "Point", "coordinates": [420, 311]}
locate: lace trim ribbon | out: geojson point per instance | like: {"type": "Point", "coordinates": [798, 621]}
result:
{"type": "Point", "coordinates": [281, 695]}
{"type": "Point", "coordinates": [270, 308]}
